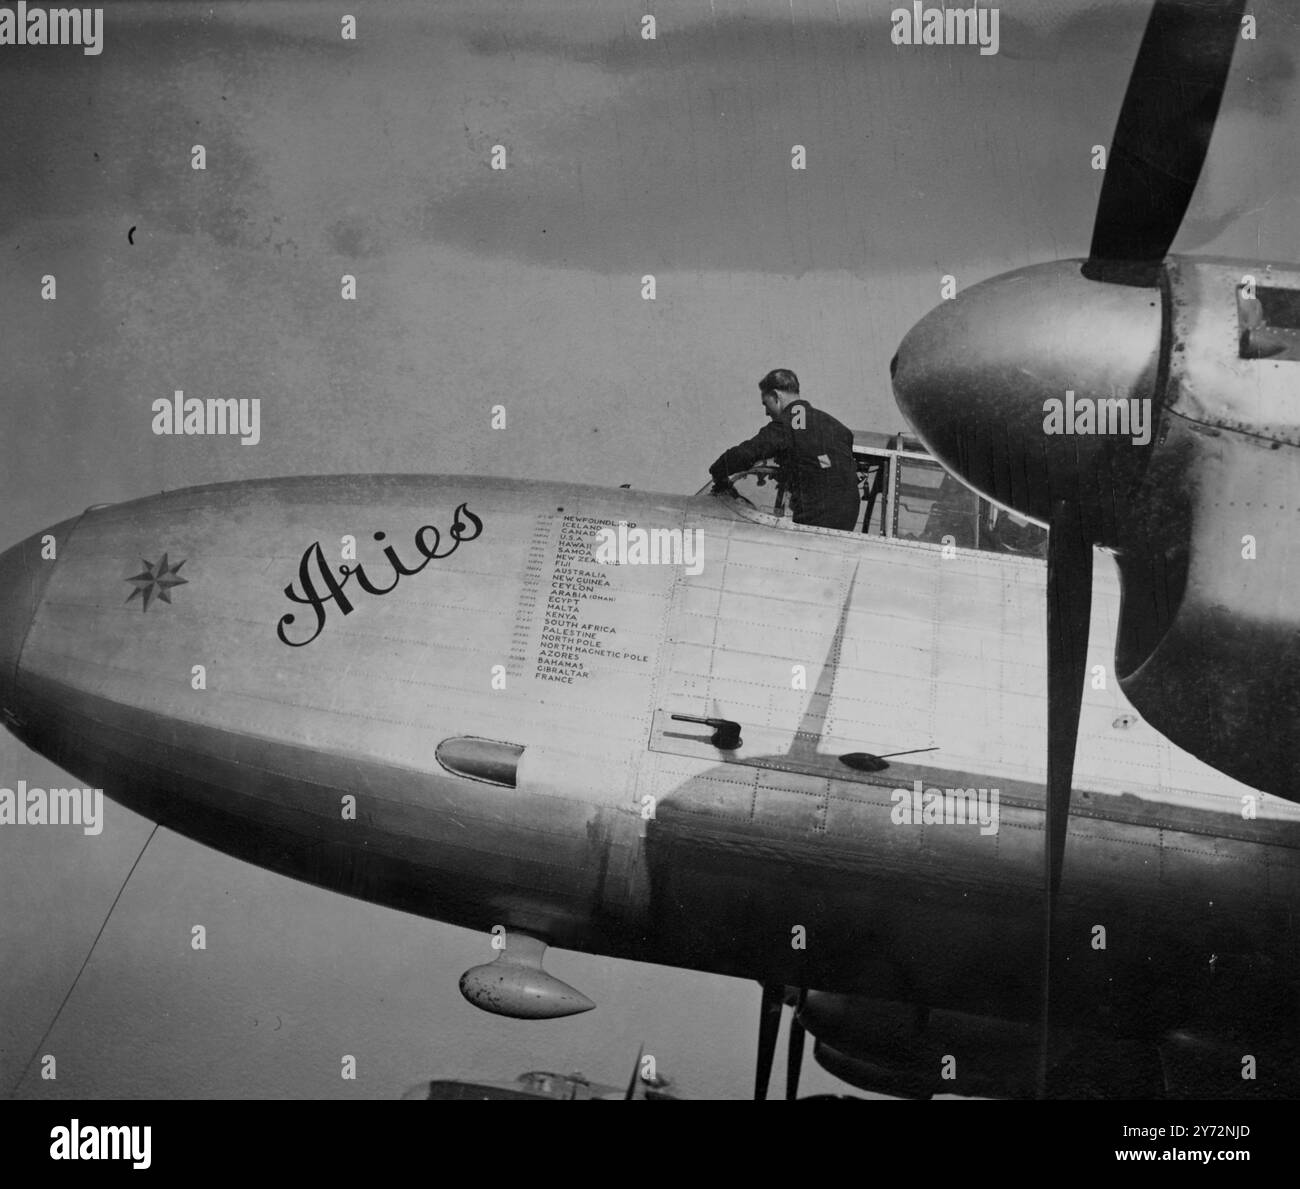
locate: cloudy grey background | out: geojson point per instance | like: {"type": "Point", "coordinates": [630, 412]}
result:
{"type": "Point", "coordinates": [477, 287]}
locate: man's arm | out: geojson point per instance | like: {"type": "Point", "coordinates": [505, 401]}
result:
{"type": "Point", "coordinates": [769, 442]}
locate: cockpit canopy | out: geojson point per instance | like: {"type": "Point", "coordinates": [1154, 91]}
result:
{"type": "Point", "coordinates": [907, 495]}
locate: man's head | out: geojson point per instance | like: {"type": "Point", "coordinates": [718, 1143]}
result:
{"type": "Point", "coordinates": [777, 389]}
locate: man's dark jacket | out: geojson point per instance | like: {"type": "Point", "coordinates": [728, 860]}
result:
{"type": "Point", "coordinates": [816, 463]}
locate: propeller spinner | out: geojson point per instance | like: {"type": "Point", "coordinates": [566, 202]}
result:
{"type": "Point", "coordinates": [977, 377]}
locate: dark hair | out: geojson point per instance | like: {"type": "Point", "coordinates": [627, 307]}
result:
{"type": "Point", "coordinates": [779, 380]}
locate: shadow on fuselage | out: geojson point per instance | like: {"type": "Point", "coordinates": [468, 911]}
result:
{"type": "Point", "coordinates": [820, 897]}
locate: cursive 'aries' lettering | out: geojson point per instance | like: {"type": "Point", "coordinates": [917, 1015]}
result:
{"type": "Point", "coordinates": [318, 587]}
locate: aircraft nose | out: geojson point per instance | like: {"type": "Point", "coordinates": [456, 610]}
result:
{"type": "Point", "coordinates": [24, 573]}
{"type": "Point", "coordinates": [975, 377]}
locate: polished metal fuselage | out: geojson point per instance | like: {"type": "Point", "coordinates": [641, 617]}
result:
{"type": "Point", "coordinates": [308, 745]}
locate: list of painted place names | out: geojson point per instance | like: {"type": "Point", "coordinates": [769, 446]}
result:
{"type": "Point", "coordinates": [535, 564]}
{"type": "Point", "coordinates": [580, 620]}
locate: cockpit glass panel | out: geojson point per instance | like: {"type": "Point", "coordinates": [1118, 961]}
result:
{"type": "Point", "coordinates": [761, 485]}
{"type": "Point", "coordinates": [1005, 532]}
{"type": "Point", "coordinates": [929, 505]}
{"type": "Point", "coordinates": [933, 506]}
{"type": "Point", "coordinates": [873, 478]}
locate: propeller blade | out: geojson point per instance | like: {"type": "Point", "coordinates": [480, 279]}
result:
{"type": "Point", "coordinates": [636, 1076]}
{"type": "Point", "coordinates": [794, 1058]}
{"type": "Point", "coordinates": [1069, 609]}
{"type": "Point", "coordinates": [769, 1023]}
{"type": "Point", "coordinates": [1161, 136]}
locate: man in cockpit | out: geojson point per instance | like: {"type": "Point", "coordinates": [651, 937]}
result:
{"type": "Point", "coordinates": [814, 450]}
